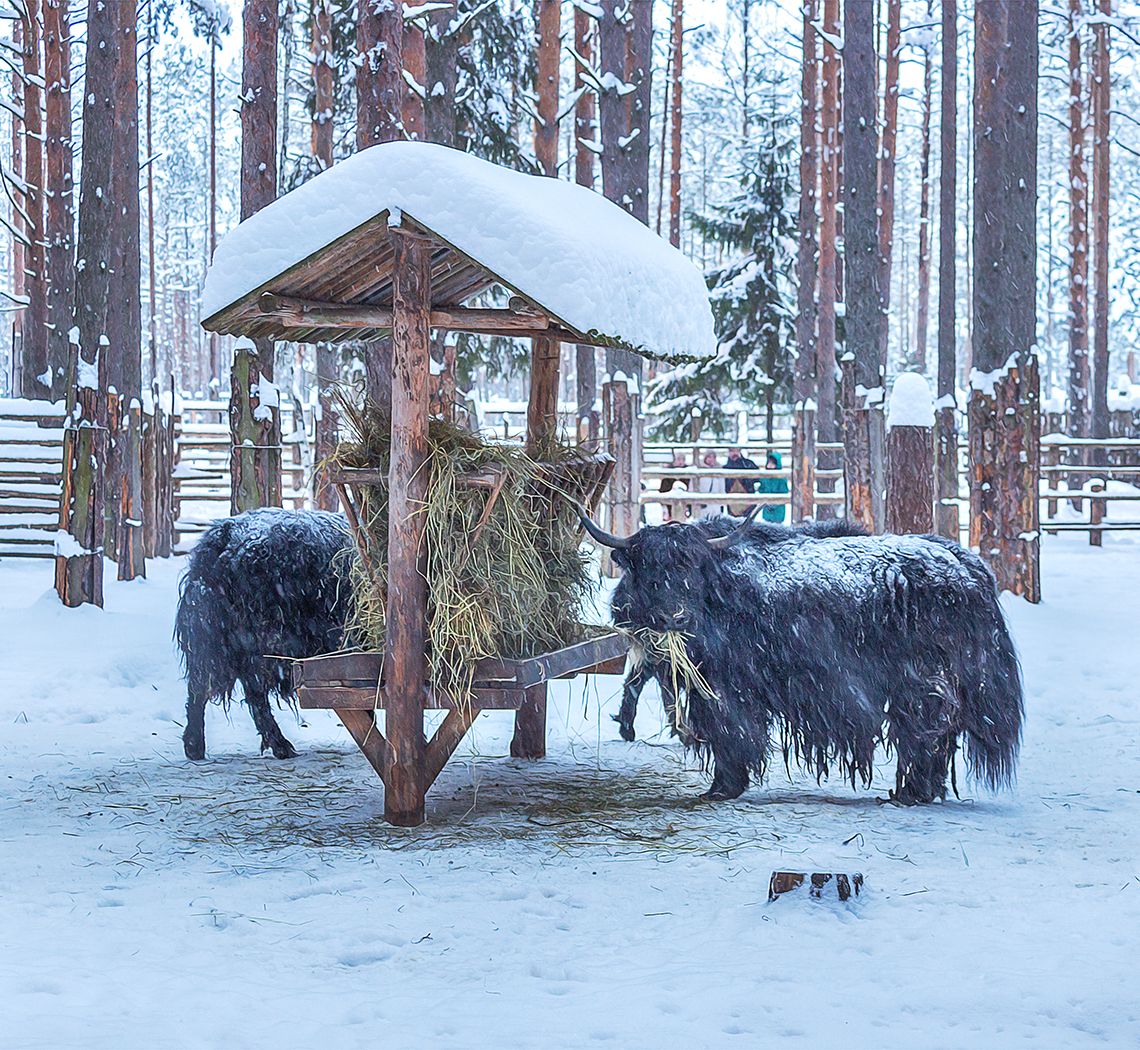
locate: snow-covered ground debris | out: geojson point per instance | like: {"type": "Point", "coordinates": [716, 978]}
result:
{"type": "Point", "coordinates": [586, 899]}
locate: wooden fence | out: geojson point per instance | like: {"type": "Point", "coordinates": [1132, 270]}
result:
{"type": "Point", "coordinates": [31, 456]}
{"type": "Point", "coordinates": [1087, 467]}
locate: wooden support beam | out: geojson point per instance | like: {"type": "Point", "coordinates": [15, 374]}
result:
{"type": "Point", "coordinates": [406, 668]}
{"type": "Point", "coordinates": [529, 740]}
{"type": "Point", "coordinates": [446, 739]}
{"type": "Point", "coordinates": [363, 729]}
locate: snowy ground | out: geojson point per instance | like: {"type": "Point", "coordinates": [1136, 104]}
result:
{"type": "Point", "coordinates": [244, 902]}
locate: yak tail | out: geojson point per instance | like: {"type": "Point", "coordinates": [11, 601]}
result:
{"type": "Point", "coordinates": [992, 707]}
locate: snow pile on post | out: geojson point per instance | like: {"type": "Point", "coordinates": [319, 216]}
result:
{"type": "Point", "coordinates": [911, 404]}
{"type": "Point", "coordinates": [581, 258]}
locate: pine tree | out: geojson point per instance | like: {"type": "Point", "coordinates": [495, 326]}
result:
{"type": "Point", "coordinates": [753, 296]}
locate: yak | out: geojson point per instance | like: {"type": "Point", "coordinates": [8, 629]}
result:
{"type": "Point", "coordinates": [267, 583]}
{"type": "Point", "coordinates": [828, 644]}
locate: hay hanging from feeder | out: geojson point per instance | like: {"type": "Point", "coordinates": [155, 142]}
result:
{"type": "Point", "coordinates": [506, 576]}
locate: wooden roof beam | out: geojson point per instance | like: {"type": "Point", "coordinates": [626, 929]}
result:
{"type": "Point", "coordinates": [520, 320]}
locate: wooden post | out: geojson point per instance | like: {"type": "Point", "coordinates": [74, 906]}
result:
{"type": "Point", "coordinates": [79, 553]}
{"type": "Point", "coordinates": [255, 466]}
{"type": "Point", "coordinates": [405, 657]}
{"type": "Point", "coordinates": [910, 457]}
{"type": "Point", "coordinates": [542, 408]}
{"type": "Point", "coordinates": [803, 463]}
{"type": "Point", "coordinates": [164, 479]}
{"type": "Point", "coordinates": [619, 409]}
{"type": "Point", "coordinates": [529, 740]}
{"type": "Point", "coordinates": [150, 417]}
{"type": "Point", "coordinates": [1052, 459]}
{"type": "Point", "coordinates": [1096, 515]}
{"type": "Point", "coordinates": [132, 560]}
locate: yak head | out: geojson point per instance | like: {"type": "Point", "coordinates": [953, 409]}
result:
{"type": "Point", "coordinates": [666, 572]}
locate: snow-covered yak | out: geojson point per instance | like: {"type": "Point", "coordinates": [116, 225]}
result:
{"type": "Point", "coordinates": [828, 644]}
{"type": "Point", "coordinates": [262, 584]}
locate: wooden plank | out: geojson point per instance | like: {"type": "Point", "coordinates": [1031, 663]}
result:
{"type": "Point", "coordinates": [364, 696]}
{"type": "Point", "coordinates": [361, 725]}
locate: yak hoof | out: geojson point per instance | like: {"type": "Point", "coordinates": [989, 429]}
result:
{"type": "Point", "coordinates": [195, 748]}
{"type": "Point", "coordinates": [625, 730]}
{"type": "Point", "coordinates": [724, 792]}
{"type": "Point", "coordinates": [281, 748]}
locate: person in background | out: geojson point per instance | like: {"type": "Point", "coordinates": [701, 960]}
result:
{"type": "Point", "coordinates": [675, 511]}
{"type": "Point", "coordinates": [774, 513]}
{"type": "Point", "coordinates": [737, 460]}
{"type": "Point", "coordinates": [709, 485]}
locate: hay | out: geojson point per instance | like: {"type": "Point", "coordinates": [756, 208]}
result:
{"type": "Point", "coordinates": [669, 647]}
{"type": "Point", "coordinates": [506, 576]}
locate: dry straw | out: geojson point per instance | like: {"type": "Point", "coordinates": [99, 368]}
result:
{"type": "Point", "coordinates": [506, 576]}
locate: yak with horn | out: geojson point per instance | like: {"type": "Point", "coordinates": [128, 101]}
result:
{"type": "Point", "coordinates": [824, 642]}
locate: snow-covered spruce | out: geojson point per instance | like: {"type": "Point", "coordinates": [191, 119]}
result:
{"type": "Point", "coordinates": [832, 644]}
{"type": "Point", "coordinates": [263, 584]}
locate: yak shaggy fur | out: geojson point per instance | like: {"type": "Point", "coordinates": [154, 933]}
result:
{"type": "Point", "coordinates": [262, 584]}
{"type": "Point", "coordinates": [830, 642]}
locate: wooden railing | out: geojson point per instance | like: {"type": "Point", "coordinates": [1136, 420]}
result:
{"type": "Point", "coordinates": [1120, 461]}
{"type": "Point", "coordinates": [31, 457]}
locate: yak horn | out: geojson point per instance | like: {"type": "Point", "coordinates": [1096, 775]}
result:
{"type": "Point", "coordinates": [724, 541]}
{"type": "Point", "coordinates": [606, 539]}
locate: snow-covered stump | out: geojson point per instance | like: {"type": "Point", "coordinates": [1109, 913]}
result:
{"type": "Point", "coordinates": [910, 456]}
{"type": "Point", "coordinates": [255, 477]}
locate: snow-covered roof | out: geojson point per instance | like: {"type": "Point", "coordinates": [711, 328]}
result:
{"type": "Point", "coordinates": [582, 260]}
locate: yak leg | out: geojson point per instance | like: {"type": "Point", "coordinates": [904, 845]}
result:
{"type": "Point", "coordinates": [635, 682]}
{"type": "Point", "coordinates": [194, 735]}
{"type": "Point", "coordinates": [730, 771]}
{"type": "Point", "coordinates": [257, 698]}
{"type": "Point", "coordinates": [922, 770]}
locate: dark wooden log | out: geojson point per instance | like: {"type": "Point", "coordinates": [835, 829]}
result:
{"type": "Point", "coordinates": [405, 668]}
{"type": "Point", "coordinates": [910, 480]}
{"type": "Point", "coordinates": [529, 740]}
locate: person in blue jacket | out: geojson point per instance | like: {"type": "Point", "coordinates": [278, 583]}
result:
{"type": "Point", "coordinates": [773, 513]}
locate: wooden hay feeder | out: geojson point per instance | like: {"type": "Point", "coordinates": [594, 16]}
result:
{"type": "Point", "coordinates": [334, 263]}
{"type": "Point", "coordinates": [821, 884]}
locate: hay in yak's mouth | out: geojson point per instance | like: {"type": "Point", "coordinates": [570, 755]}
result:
{"type": "Point", "coordinates": [506, 577]}
{"type": "Point", "coordinates": [685, 678]}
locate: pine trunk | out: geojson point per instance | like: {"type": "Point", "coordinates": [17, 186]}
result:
{"type": "Point", "coordinates": [379, 105]}
{"type": "Point", "coordinates": [675, 150]}
{"type": "Point", "coordinates": [862, 374]}
{"type": "Point", "coordinates": [59, 215]}
{"type": "Point", "coordinates": [887, 171]}
{"type": "Point", "coordinates": [585, 131]}
{"type": "Point", "coordinates": [255, 423]}
{"type": "Point", "coordinates": [1003, 412]}
{"type": "Point", "coordinates": [804, 385]}
{"type": "Point", "coordinates": [922, 323]}
{"type": "Point", "coordinates": [945, 419]}
{"type": "Point", "coordinates": [415, 65]}
{"type": "Point", "coordinates": [324, 86]}
{"type": "Point", "coordinates": [1078, 237]}
{"type": "Point", "coordinates": [542, 410]}
{"type": "Point", "coordinates": [826, 430]}
{"type": "Point", "coordinates": [1101, 100]}
{"type": "Point", "coordinates": [35, 382]}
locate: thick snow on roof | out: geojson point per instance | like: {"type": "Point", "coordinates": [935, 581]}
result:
{"type": "Point", "coordinates": [580, 257]}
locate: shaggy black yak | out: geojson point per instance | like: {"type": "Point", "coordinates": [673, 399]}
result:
{"type": "Point", "coordinates": [262, 584]}
{"type": "Point", "coordinates": [829, 644]}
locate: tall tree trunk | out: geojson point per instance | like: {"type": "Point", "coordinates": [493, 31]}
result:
{"type": "Point", "coordinates": [379, 104]}
{"type": "Point", "coordinates": [585, 131]}
{"type": "Point", "coordinates": [1078, 237]}
{"type": "Point", "coordinates": [152, 291]}
{"type": "Point", "coordinates": [862, 373]}
{"type": "Point", "coordinates": [18, 231]}
{"type": "Point", "coordinates": [415, 67]}
{"type": "Point", "coordinates": [542, 410]}
{"type": "Point", "coordinates": [922, 323]}
{"type": "Point", "coordinates": [442, 64]}
{"type": "Point", "coordinates": [625, 49]}
{"type": "Point", "coordinates": [1101, 100]}
{"type": "Point", "coordinates": [804, 385]}
{"type": "Point", "coordinates": [1003, 416]}
{"type": "Point", "coordinates": [35, 378]}
{"type": "Point", "coordinates": [675, 150]}
{"type": "Point", "coordinates": [328, 359]}
{"type": "Point", "coordinates": [256, 475]}
{"type": "Point", "coordinates": [826, 430]}
{"type": "Point", "coordinates": [59, 225]}
{"type": "Point", "coordinates": [945, 418]}
{"type": "Point", "coordinates": [887, 171]}
{"type": "Point", "coordinates": [215, 358]}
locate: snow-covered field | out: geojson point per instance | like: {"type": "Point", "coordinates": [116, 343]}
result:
{"type": "Point", "coordinates": [587, 899]}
